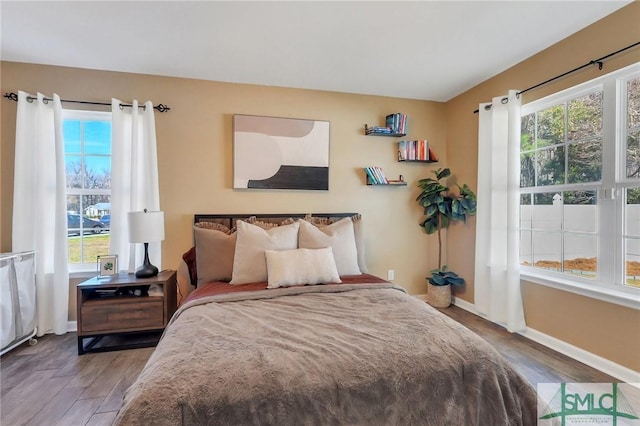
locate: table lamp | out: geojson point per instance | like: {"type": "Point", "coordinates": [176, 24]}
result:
{"type": "Point", "coordinates": [146, 227]}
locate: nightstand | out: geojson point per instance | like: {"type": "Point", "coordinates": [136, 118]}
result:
{"type": "Point", "coordinates": [111, 306]}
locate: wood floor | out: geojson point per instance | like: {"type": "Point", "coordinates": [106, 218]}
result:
{"type": "Point", "coordinates": [49, 384]}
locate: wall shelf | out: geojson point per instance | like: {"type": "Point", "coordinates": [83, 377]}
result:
{"type": "Point", "coordinates": [417, 151]}
{"type": "Point", "coordinates": [369, 131]}
{"type": "Point", "coordinates": [399, 182]}
{"type": "Point", "coordinates": [417, 161]}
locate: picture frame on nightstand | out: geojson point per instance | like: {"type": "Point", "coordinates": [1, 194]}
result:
{"type": "Point", "coordinates": [107, 265]}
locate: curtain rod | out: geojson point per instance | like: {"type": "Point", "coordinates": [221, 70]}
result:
{"type": "Point", "coordinates": [14, 97]}
{"type": "Point", "coordinates": [598, 62]}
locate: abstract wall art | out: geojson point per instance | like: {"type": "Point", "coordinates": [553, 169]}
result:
{"type": "Point", "coordinates": [280, 153]}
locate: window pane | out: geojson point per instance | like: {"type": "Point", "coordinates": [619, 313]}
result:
{"type": "Point", "coordinates": [580, 211]}
{"type": "Point", "coordinates": [73, 169]}
{"type": "Point", "coordinates": [547, 249]}
{"type": "Point", "coordinates": [97, 137]}
{"type": "Point", "coordinates": [550, 126]}
{"type": "Point", "coordinates": [580, 253]}
{"type": "Point", "coordinates": [633, 155]}
{"type": "Point", "coordinates": [88, 232]}
{"type": "Point", "coordinates": [585, 117]}
{"type": "Point", "coordinates": [633, 103]}
{"type": "Point", "coordinates": [527, 170]}
{"type": "Point", "coordinates": [547, 211]}
{"type": "Point", "coordinates": [633, 128]}
{"type": "Point", "coordinates": [525, 248]}
{"type": "Point", "coordinates": [585, 161]}
{"type": "Point", "coordinates": [525, 211]}
{"type": "Point", "coordinates": [632, 212]}
{"type": "Point", "coordinates": [73, 204]}
{"type": "Point", "coordinates": [97, 172]}
{"type": "Point", "coordinates": [632, 264]}
{"type": "Point", "coordinates": [71, 134]}
{"type": "Point", "coordinates": [632, 245]}
{"type": "Point", "coordinates": [550, 166]}
{"type": "Point", "coordinates": [527, 132]}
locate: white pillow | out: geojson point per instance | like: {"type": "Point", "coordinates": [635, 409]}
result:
{"type": "Point", "coordinates": [249, 264]}
{"type": "Point", "coordinates": [339, 236]}
{"type": "Point", "coordinates": [359, 235]}
{"type": "Point", "coordinates": [301, 266]}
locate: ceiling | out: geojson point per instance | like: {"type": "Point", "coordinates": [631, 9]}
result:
{"type": "Point", "coordinates": [431, 50]}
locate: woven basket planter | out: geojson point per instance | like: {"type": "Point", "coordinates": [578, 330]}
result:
{"type": "Point", "coordinates": [439, 296]}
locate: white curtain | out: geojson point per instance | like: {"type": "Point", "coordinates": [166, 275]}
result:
{"type": "Point", "coordinates": [40, 206]}
{"type": "Point", "coordinates": [134, 179]}
{"type": "Point", "coordinates": [497, 267]}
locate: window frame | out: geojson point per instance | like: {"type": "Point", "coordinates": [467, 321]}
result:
{"type": "Point", "coordinates": [84, 115]}
{"type": "Point", "coordinates": [611, 256]}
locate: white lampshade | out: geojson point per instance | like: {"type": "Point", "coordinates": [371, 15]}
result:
{"type": "Point", "coordinates": [146, 227]}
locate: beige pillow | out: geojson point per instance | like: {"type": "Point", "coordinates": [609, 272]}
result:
{"type": "Point", "coordinates": [301, 266]}
{"type": "Point", "coordinates": [214, 225]}
{"type": "Point", "coordinates": [214, 254]}
{"type": "Point", "coordinates": [359, 234]}
{"type": "Point", "coordinates": [249, 264]}
{"type": "Point", "coordinates": [264, 225]}
{"type": "Point", "coordinates": [358, 230]}
{"type": "Point", "coordinates": [339, 236]}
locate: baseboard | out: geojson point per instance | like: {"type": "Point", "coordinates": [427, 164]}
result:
{"type": "Point", "coordinates": [72, 326]}
{"type": "Point", "coordinates": [596, 361]}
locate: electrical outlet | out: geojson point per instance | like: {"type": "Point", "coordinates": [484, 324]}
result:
{"type": "Point", "coordinates": [390, 275]}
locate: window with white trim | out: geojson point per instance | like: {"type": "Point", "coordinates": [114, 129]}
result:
{"type": "Point", "coordinates": [87, 152]}
{"type": "Point", "coordinates": [580, 185]}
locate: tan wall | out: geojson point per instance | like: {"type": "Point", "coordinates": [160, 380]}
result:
{"type": "Point", "coordinates": [195, 157]}
{"type": "Point", "coordinates": [195, 165]}
{"type": "Point", "coordinates": [605, 329]}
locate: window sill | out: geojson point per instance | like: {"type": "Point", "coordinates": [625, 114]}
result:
{"type": "Point", "coordinates": [75, 275]}
{"type": "Point", "coordinates": [618, 297]}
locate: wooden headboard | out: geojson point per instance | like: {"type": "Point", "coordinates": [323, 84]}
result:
{"type": "Point", "coordinates": [229, 220]}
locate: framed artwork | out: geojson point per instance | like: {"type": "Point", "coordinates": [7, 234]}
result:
{"type": "Point", "coordinates": [107, 265]}
{"type": "Point", "coordinates": [280, 153]}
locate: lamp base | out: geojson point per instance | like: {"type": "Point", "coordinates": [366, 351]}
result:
{"type": "Point", "coordinates": [146, 271]}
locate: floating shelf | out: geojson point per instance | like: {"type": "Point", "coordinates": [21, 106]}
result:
{"type": "Point", "coordinates": [417, 161]}
{"type": "Point", "coordinates": [368, 132]}
{"type": "Point", "coordinates": [391, 182]}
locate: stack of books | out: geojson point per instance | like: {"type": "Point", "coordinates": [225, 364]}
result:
{"type": "Point", "coordinates": [417, 150]}
{"type": "Point", "coordinates": [397, 123]}
{"type": "Point", "coordinates": [379, 130]}
{"type": "Point", "coordinates": [376, 176]}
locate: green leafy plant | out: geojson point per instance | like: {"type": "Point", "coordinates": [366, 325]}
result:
{"type": "Point", "coordinates": [441, 207]}
{"type": "Point", "coordinates": [443, 277]}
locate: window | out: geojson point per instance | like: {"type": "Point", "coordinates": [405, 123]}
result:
{"type": "Point", "coordinates": [87, 146]}
{"type": "Point", "coordinates": [580, 186]}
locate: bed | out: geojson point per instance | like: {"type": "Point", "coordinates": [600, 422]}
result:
{"type": "Point", "coordinates": [352, 349]}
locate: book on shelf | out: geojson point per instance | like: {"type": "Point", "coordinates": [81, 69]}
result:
{"type": "Point", "coordinates": [376, 176]}
{"type": "Point", "coordinates": [371, 176]}
{"type": "Point", "coordinates": [380, 174]}
{"type": "Point", "coordinates": [397, 122]}
{"type": "Point", "coordinates": [379, 130]}
{"type": "Point", "coordinates": [417, 150]}
{"type": "Point", "coordinates": [432, 155]}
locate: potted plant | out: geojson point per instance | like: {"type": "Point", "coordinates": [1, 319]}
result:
{"type": "Point", "coordinates": [441, 207]}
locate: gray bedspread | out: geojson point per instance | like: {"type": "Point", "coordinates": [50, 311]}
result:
{"type": "Point", "coordinates": [366, 354]}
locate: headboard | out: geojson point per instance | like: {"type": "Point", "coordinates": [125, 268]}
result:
{"type": "Point", "coordinates": [229, 220]}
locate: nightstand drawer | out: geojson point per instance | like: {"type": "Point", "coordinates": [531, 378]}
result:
{"type": "Point", "coordinates": [123, 315]}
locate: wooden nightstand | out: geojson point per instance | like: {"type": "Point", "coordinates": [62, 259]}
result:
{"type": "Point", "coordinates": [103, 310]}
